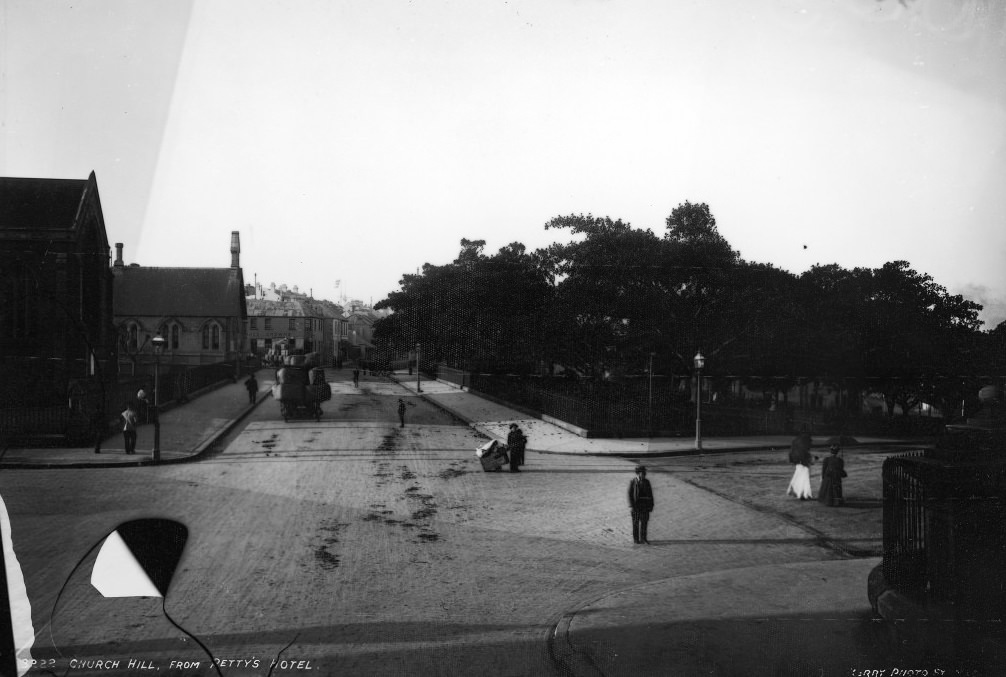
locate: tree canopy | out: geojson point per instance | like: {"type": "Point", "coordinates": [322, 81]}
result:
{"type": "Point", "coordinates": [601, 303]}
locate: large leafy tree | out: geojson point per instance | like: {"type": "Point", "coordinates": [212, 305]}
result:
{"type": "Point", "coordinates": [891, 329]}
{"type": "Point", "coordinates": [918, 334]}
{"type": "Point", "coordinates": [624, 292]}
{"type": "Point", "coordinates": [611, 300]}
{"type": "Point", "coordinates": [477, 309]}
{"type": "Point", "coordinates": [604, 301]}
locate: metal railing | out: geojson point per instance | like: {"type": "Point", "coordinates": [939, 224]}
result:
{"type": "Point", "coordinates": [76, 420]}
{"type": "Point", "coordinates": [944, 535]}
{"type": "Point", "coordinates": [904, 492]}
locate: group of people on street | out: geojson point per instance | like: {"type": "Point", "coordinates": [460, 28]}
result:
{"type": "Point", "coordinates": [516, 442]}
{"type": "Point", "coordinates": [133, 413]}
{"type": "Point", "coordinates": [832, 472]}
{"type": "Point", "coordinates": [641, 501]}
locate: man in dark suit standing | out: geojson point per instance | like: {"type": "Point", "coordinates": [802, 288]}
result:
{"type": "Point", "coordinates": [515, 442]}
{"type": "Point", "coordinates": [641, 504]}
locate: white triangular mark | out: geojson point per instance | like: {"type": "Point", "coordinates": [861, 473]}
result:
{"type": "Point", "coordinates": [116, 572]}
{"type": "Point", "coordinates": [20, 607]}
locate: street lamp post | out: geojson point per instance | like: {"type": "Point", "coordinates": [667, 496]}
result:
{"type": "Point", "coordinates": [650, 410]}
{"type": "Point", "coordinates": [158, 342]}
{"type": "Point", "coordinates": [699, 362]}
{"type": "Point", "coordinates": [418, 389]}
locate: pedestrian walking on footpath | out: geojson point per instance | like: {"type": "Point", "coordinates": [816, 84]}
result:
{"type": "Point", "coordinates": [832, 472]}
{"type": "Point", "coordinates": [356, 377]}
{"type": "Point", "coordinates": [129, 428]}
{"type": "Point", "coordinates": [516, 441]}
{"type": "Point", "coordinates": [800, 457]}
{"type": "Point", "coordinates": [252, 386]}
{"type": "Point", "coordinates": [640, 504]}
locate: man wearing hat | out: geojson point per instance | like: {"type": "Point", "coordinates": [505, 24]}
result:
{"type": "Point", "coordinates": [640, 504]}
{"type": "Point", "coordinates": [516, 441]}
{"type": "Point", "coordinates": [401, 410]}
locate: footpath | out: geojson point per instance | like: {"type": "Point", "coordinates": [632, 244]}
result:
{"type": "Point", "coordinates": [639, 630]}
{"type": "Point", "coordinates": [188, 429]}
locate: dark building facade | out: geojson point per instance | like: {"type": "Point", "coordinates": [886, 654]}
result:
{"type": "Point", "coordinates": [57, 337]}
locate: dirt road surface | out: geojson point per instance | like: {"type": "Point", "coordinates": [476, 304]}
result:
{"type": "Point", "coordinates": [354, 546]}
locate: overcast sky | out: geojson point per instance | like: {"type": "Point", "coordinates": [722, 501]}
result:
{"type": "Point", "coordinates": [357, 140]}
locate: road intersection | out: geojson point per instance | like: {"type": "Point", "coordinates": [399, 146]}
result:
{"type": "Point", "coordinates": [353, 546]}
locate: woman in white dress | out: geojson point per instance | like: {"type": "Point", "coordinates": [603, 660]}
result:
{"type": "Point", "coordinates": [799, 456]}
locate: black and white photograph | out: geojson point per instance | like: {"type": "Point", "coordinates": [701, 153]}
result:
{"type": "Point", "coordinates": [292, 290]}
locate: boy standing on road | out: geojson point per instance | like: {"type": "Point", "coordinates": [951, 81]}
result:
{"type": "Point", "coordinates": [640, 504]}
{"type": "Point", "coordinates": [401, 410]}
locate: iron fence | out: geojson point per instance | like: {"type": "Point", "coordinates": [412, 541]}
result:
{"type": "Point", "coordinates": [603, 408]}
{"type": "Point", "coordinates": [943, 530]}
{"type": "Point", "coordinates": [92, 408]}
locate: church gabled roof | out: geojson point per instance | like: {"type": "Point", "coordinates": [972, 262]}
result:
{"type": "Point", "coordinates": [51, 209]}
{"type": "Point", "coordinates": [193, 292]}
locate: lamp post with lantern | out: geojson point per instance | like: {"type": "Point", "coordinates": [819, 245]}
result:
{"type": "Point", "coordinates": [418, 388]}
{"type": "Point", "coordinates": [158, 342]}
{"type": "Point", "coordinates": [699, 362]}
{"type": "Point", "coordinates": [649, 413]}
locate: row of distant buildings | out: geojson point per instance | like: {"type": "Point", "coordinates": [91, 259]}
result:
{"type": "Point", "coordinates": [77, 327]}
{"type": "Point", "coordinates": [283, 320]}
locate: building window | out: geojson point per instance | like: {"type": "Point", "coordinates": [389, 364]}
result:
{"type": "Point", "coordinates": [18, 303]}
{"type": "Point", "coordinates": [307, 324]}
{"type": "Point", "coordinates": [211, 336]}
{"type": "Point", "coordinates": [170, 333]}
{"type": "Point", "coordinates": [293, 323]}
{"type": "Point", "coordinates": [268, 323]}
{"type": "Point", "coordinates": [253, 323]}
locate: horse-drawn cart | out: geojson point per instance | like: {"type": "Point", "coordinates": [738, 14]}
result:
{"type": "Point", "coordinates": [301, 387]}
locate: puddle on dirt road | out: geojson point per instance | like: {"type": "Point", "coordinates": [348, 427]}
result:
{"type": "Point", "coordinates": [454, 470]}
{"type": "Point", "coordinates": [421, 506]}
{"type": "Point", "coordinates": [428, 506]}
{"type": "Point", "coordinates": [387, 445]}
{"type": "Point", "coordinates": [328, 531]}
{"type": "Point", "coordinates": [268, 444]}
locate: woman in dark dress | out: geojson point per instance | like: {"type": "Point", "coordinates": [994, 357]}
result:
{"type": "Point", "coordinates": [832, 472]}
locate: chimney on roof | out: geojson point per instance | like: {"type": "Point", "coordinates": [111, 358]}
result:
{"type": "Point", "coordinates": [235, 249]}
{"type": "Point", "coordinates": [118, 255]}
